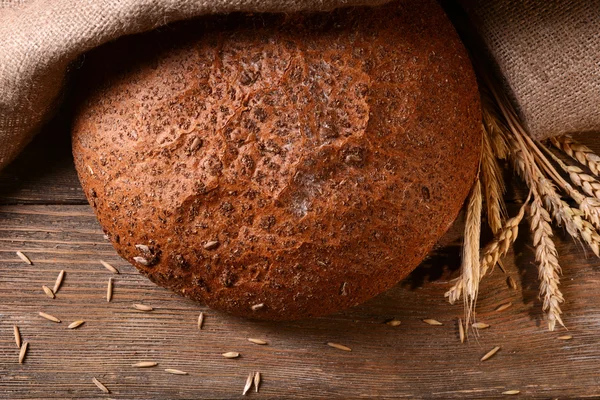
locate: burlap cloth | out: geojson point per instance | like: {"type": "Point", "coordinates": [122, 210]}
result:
{"type": "Point", "coordinates": [548, 52]}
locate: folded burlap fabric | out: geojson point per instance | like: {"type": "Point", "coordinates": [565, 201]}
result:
{"type": "Point", "coordinates": [40, 38]}
{"type": "Point", "coordinates": [547, 52]}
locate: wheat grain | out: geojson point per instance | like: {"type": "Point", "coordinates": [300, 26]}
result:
{"type": "Point", "coordinates": [109, 290]}
{"type": "Point", "coordinates": [257, 378]}
{"type": "Point", "coordinates": [59, 280]}
{"type": "Point", "coordinates": [480, 325]}
{"type": "Point", "coordinates": [248, 384]}
{"type": "Point", "coordinates": [231, 354]}
{"type": "Point", "coordinates": [490, 353]}
{"type": "Point", "coordinates": [579, 152]}
{"type": "Point", "coordinates": [339, 346]}
{"type": "Point", "coordinates": [143, 307]}
{"type": "Point", "coordinates": [49, 317]}
{"type": "Point", "coordinates": [76, 324]}
{"type": "Point", "coordinates": [455, 292]}
{"type": "Point", "coordinates": [511, 392]}
{"type": "Point", "coordinates": [48, 291]}
{"type": "Point", "coordinates": [24, 257]}
{"type": "Point", "coordinates": [17, 334]}
{"type": "Point", "coordinates": [175, 371]}
{"type": "Point", "coordinates": [196, 143]}
{"type": "Point", "coordinates": [257, 341]}
{"type": "Point", "coordinates": [100, 385]}
{"type": "Point", "coordinates": [143, 248]}
{"type": "Point", "coordinates": [200, 321]}
{"type": "Point", "coordinates": [393, 322]}
{"type": "Point", "coordinates": [587, 183]}
{"type": "Point", "coordinates": [109, 267]}
{"type": "Point", "coordinates": [23, 352]}
{"type": "Point", "coordinates": [211, 245]}
{"type": "Point", "coordinates": [141, 260]}
{"type": "Point", "coordinates": [145, 364]}
{"type": "Point", "coordinates": [461, 331]}
{"type": "Point", "coordinates": [511, 283]}
{"type": "Point", "coordinates": [257, 307]}
{"type": "Point", "coordinates": [589, 208]}
{"type": "Point", "coordinates": [565, 337]}
{"type": "Point", "coordinates": [503, 307]}
{"type": "Point", "coordinates": [434, 322]}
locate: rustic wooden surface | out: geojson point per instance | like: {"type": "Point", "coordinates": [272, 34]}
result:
{"type": "Point", "coordinates": [44, 214]}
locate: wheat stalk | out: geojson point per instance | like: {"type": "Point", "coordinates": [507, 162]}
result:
{"type": "Point", "coordinates": [507, 138]}
{"type": "Point", "coordinates": [493, 185]}
{"type": "Point", "coordinates": [579, 152]}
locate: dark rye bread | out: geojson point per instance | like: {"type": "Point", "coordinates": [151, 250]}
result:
{"type": "Point", "coordinates": [281, 166]}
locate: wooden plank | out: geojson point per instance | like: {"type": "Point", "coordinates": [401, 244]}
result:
{"type": "Point", "coordinates": [44, 173]}
{"type": "Point", "coordinates": [411, 360]}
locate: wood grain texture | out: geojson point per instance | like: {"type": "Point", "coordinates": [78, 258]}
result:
{"type": "Point", "coordinates": [411, 360]}
{"type": "Point", "coordinates": [44, 173]}
{"type": "Point", "coordinates": [57, 230]}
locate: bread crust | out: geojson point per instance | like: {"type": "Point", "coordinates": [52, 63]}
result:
{"type": "Point", "coordinates": [281, 167]}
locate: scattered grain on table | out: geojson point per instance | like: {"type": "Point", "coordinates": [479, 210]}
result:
{"type": "Point", "coordinates": [490, 353]}
{"type": "Point", "coordinates": [24, 257]}
{"type": "Point", "coordinates": [109, 267]}
{"type": "Point", "coordinates": [339, 346]}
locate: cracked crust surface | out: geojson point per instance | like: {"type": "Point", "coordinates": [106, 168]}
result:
{"type": "Point", "coordinates": [281, 167]}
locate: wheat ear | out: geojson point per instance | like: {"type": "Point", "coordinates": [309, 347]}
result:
{"type": "Point", "coordinates": [526, 166]}
{"type": "Point", "coordinates": [493, 185]}
{"type": "Point", "coordinates": [498, 247]}
{"type": "Point", "coordinates": [510, 140]}
{"type": "Point", "coordinates": [564, 215]}
{"type": "Point", "coordinates": [494, 128]}
{"type": "Point", "coordinates": [491, 253]}
{"type": "Point", "coordinates": [587, 183]}
{"type": "Point", "coordinates": [546, 257]}
{"type": "Point", "coordinates": [589, 206]}
{"type": "Point", "coordinates": [579, 152]}
{"type": "Point", "coordinates": [470, 254]}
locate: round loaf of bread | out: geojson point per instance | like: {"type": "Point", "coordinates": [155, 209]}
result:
{"type": "Point", "coordinates": [281, 166]}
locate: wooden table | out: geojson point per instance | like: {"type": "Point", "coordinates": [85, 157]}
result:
{"type": "Point", "coordinates": [45, 215]}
